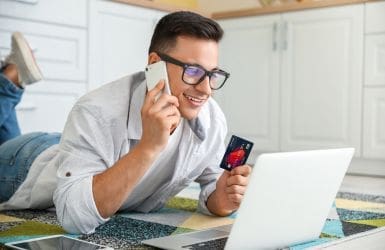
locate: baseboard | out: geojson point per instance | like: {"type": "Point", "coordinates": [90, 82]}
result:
{"type": "Point", "coordinates": [358, 166]}
{"type": "Point", "coordinates": [361, 166]}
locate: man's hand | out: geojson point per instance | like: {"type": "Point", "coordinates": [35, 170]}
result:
{"type": "Point", "coordinates": [230, 188]}
{"type": "Point", "coordinates": [159, 117]}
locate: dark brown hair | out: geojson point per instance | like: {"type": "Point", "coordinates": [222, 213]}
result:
{"type": "Point", "coordinates": [183, 23]}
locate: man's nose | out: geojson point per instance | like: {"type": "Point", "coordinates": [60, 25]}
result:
{"type": "Point", "coordinates": [204, 86]}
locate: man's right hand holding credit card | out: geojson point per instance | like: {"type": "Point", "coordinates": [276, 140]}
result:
{"type": "Point", "coordinates": [231, 185]}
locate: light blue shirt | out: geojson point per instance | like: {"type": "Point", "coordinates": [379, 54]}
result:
{"type": "Point", "coordinates": [103, 126]}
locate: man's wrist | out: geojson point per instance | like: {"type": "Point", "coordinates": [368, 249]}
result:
{"type": "Point", "coordinates": [147, 154]}
{"type": "Point", "coordinates": [216, 204]}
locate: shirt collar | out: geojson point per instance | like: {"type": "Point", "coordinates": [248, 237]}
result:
{"type": "Point", "coordinates": [134, 123]}
{"type": "Point", "coordinates": [201, 124]}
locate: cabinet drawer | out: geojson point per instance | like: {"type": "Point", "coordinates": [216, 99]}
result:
{"type": "Point", "coordinates": [71, 12]}
{"type": "Point", "coordinates": [375, 60]}
{"type": "Point", "coordinates": [46, 112]}
{"type": "Point", "coordinates": [60, 51]}
{"type": "Point", "coordinates": [375, 17]}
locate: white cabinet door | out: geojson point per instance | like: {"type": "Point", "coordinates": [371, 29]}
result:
{"type": "Point", "coordinates": [322, 78]}
{"type": "Point", "coordinates": [120, 35]}
{"type": "Point", "coordinates": [60, 51]}
{"type": "Point", "coordinates": [374, 123]}
{"type": "Point", "coordinates": [250, 97]}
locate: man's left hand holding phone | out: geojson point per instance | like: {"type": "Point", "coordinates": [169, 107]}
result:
{"type": "Point", "coordinates": [160, 113]}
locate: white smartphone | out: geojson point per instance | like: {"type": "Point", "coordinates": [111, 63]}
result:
{"type": "Point", "coordinates": [55, 242]}
{"type": "Point", "coordinates": [156, 72]}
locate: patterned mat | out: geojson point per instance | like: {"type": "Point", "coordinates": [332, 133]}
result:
{"type": "Point", "coordinates": [351, 214]}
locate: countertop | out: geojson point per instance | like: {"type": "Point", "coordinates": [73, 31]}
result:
{"type": "Point", "coordinates": [292, 6]}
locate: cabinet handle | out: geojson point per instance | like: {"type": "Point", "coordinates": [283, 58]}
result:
{"type": "Point", "coordinates": [275, 31]}
{"type": "Point", "coordinates": [28, 1]}
{"type": "Point", "coordinates": [26, 108]}
{"type": "Point", "coordinates": [284, 36]}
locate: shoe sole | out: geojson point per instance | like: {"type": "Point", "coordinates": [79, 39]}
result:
{"type": "Point", "coordinates": [28, 59]}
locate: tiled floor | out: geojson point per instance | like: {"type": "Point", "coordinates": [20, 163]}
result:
{"type": "Point", "coordinates": [363, 184]}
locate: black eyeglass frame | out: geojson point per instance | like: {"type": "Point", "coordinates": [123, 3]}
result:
{"type": "Point", "coordinates": [172, 60]}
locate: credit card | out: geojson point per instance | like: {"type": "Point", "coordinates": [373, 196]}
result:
{"type": "Point", "coordinates": [237, 152]}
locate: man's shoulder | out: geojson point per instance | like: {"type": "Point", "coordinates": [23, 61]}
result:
{"type": "Point", "coordinates": [115, 90]}
{"type": "Point", "coordinates": [112, 99]}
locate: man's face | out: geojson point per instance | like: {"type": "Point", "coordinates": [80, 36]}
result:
{"type": "Point", "coordinates": [192, 51]}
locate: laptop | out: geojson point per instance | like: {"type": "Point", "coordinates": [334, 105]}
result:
{"type": "Point", "coordinates": [287, 202]}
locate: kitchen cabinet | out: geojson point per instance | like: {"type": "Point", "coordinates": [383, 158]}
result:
{"type": "Point", "coordinates": [59, 41]}
{"type": "Point", "coordinates": [374, 82]}
{"type": "Point", "coordinates": [375, 17]}
{"type": "Point", "coordinates": [250, 97]}
{"type": "Point", "coordinates": [321, 79]}
{"type": "Point", "coordinates": [374, 123]}
{"type": "Point", "coordinates": [296, 78]}
{"type": "Point", "coordinates": [79, 45]}
{"type": "Point", "coordinates": [120, 36]}
{"type": "Point", "coordinates": [70, 12]}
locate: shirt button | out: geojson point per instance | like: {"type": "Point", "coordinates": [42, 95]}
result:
{"type": "Point", "coordinates": [68, 174]}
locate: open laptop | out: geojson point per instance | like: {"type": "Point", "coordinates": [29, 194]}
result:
{"type": "Point", "coordinates": [287, 201]}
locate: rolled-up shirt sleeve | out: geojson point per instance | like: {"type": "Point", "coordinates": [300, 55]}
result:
{"type": "Point", "coordinates": [206, 191]}
{"type": "Point", "coordinates": [76, 208]}
{"type": "Point", "coordinates": [82, 154]}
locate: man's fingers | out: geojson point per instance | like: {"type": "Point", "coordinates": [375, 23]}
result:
{"type": "Point", "coordinates": [243, 170]}
{"type": "Point", "coordinates": [153, 93]}
{"type": "Point", "coordinates": [158, 87]}
{"type": "Point", "coordinates": [164, 101]}
{"type": "Point", "coordinates": [165, 112]}
{"type": "Point", "coordinates": [235, 198]}
{"type": "Point", "coordinates": [237, 180]}
{"type": "Point", "coordinates": [236, 189]}
{"type": "Point", "coordinates": [174, 121]}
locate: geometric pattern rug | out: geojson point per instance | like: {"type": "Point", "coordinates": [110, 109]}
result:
{"type": "Point", "coordinates": [351, 214]}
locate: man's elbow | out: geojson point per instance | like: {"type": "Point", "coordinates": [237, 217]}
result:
{"type": "Point", "coordinates": [71, 217]}
{"type": "Point", "coordinates": [75, 225]}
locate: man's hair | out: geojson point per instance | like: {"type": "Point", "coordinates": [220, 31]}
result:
{"type": "Point", "coordinates": [183, 23]}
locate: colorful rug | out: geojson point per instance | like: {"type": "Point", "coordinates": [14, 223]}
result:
{"type": "Point", "coordinates": [351, 214]}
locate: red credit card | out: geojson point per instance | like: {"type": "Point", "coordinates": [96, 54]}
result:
{"type": "Point", "coordinates": [236, 153]}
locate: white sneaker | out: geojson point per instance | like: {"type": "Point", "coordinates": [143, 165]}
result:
{"type": "Point", "coordinates": [22, 56]}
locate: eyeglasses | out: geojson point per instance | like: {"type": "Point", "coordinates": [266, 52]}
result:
{"type": "Point", "coordinates": [194, 74]}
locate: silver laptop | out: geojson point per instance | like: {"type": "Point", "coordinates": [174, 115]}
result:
{"type": "Point", "coordinates": [287, 202]}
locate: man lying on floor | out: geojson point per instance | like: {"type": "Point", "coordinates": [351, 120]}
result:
{"type": "Point", "coordinates": [122, 148]}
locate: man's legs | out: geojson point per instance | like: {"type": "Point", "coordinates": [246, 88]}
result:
{"type": "Point", "coordinates": [17, 156]}
{"type": "Point", "coordinates": [18, 70]}
{"type": "Point", "coordinates": [17, 152]}
{"type": "Point", "coordinates": [10, 96]}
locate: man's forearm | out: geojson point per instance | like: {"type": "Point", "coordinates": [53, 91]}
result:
{"type": "Point", "coordinates": [112, 187]}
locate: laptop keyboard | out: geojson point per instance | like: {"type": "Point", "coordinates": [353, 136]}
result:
{"type": "Point", "coordinates": [208, 245]}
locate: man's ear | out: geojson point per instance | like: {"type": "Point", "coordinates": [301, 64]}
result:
{"type": "Point", "coordinates": [153, 57]}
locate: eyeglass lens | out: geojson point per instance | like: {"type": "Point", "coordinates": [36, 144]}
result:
{"type": "Point", "coordinates": [194, 75]}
